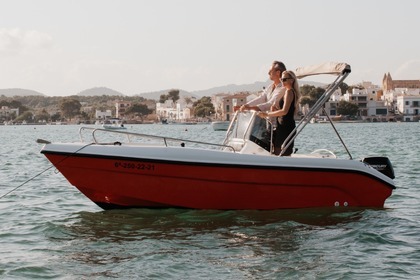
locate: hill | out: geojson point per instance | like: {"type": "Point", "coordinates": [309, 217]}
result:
{"type": "Point", "coordinates": [10, 92]}
{"type": "Point", "coordinates": [208, 92]}
{"type": "Point", "coordinates": [155, 95]}
{"type": "Point", "coordinates": [99, 91]}
{"type": "Point", "coordinates": [255, 87]}
{"type": "Point", "coordinates": [232, 88]}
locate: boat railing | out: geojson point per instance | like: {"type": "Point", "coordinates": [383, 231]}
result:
{"type": "Point", "coordinates": [147, 138]}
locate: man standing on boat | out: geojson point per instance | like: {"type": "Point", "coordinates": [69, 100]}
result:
{"type": "Point", "coordinates": [272, 94]}
{"type": "Point", "coordinates": [269, 99]}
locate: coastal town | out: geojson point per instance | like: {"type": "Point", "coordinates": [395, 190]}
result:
{"type": "Point", "coordinates": [394, 100]}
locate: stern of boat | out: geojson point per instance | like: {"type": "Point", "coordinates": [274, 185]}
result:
{"type": "Point", "coordinates": [382, 164]}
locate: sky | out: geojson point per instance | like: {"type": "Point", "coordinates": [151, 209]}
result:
{"type": "Point", "coordinates": [61, 48]}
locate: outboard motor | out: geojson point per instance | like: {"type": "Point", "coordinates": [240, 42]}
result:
{"type": "Point", "coordinates": [382, 164]}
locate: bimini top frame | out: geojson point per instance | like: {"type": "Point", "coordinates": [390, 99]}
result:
{"type": "Point", "coordinates": [342, 70]}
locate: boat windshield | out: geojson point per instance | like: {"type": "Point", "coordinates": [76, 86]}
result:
{"type": "Point", "coordinates": [249, 126]}
{"type": "Point", "coordinates": [260, 133]}
{"type": "Point", "coordinates": [240, 125]}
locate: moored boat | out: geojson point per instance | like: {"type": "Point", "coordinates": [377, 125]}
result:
{"type": "Point", "coordinates": [113, 123]}
{"type": "Point", "coordinates": [240, 173]}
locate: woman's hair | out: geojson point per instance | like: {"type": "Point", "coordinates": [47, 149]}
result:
{"type": "Point", "coordinates": [291, 74]}
{"type": "Point", "coordinates": [279, 66]}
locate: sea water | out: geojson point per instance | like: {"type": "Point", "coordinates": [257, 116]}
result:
{"type": "Point", "coordinates": [49, 230]}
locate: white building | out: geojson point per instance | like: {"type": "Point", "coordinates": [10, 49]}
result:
{"type": "Point", "coordinates": [376, 109]}
{"type": "Point", "coordinates": [409, 106]}
{"type": "Point", "coordinates": [5, 111]}
{"type": "Point", "coordinates": [336, 96]}
{"type": "Point", "coordinates": [171, 112]}
{"type": "Point", "coordinates": [102, 115]}
{"type": "Point", "coordinates": [371, 105]}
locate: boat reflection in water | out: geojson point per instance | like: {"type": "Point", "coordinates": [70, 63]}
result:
{"type": "Point", "coordinates": [241, 173]}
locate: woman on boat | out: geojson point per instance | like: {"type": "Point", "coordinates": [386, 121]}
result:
{"type": "Point", "coordinates": [289, 106]}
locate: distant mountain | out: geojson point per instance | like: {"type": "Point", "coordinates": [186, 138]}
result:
{"type": "Point", "coordinates": [10, 92]}
{"type": "Point", "coordinates": [208, 92]}
{"type": "Point", "coordinates": [155, 95]}
{"type": "Point", "coordinates": [315, 84]}
{"type": "Point", "coordinates": [99, 91]}
{"type": "Point", "coordinates": [232, 88]}
{"type": "Point", "coordinates": [255, 87]}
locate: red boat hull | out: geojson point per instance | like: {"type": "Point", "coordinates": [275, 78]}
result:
{"type": "Point", "coordinates": [119, 183]}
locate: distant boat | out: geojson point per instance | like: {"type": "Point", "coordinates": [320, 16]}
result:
{"type": "Point", "coordinates": [165, 121]}
{"type": "Point", "coordinates": [220, 125]}
{"type": "Point", "coordinates": [184, 123]}
{"type": "Point", "coordinates": [114, 123]}
{"type": "Point", "coordinates": [337, 118]}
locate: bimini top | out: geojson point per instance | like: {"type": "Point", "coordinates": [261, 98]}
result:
{"type": "Point", "coordinates": [331, 68]}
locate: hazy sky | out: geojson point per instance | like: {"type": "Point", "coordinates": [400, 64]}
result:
{"type": "Point", "coordinates": [135, 46]}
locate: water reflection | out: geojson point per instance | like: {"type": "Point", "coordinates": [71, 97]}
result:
{"type": "Point", "coordinates": [235, 227]}
{"type": "Point", "coordinates": [130, 223]}
{"type": "Point", "coordinates": [235, 239]}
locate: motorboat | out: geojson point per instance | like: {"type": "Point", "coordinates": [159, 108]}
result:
{"type": "Point", "coordinates": [113, 123]}
{"type": "Point", "coordinates": [220, 125]}
{"type": "Point", "coordinates": [120, 169]}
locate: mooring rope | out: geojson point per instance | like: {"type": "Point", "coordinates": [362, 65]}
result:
{"type": "Point", "coordinates": [45, 170]}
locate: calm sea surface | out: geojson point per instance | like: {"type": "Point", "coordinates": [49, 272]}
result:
{"type": "Point", "coordinates": [48, 230]}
